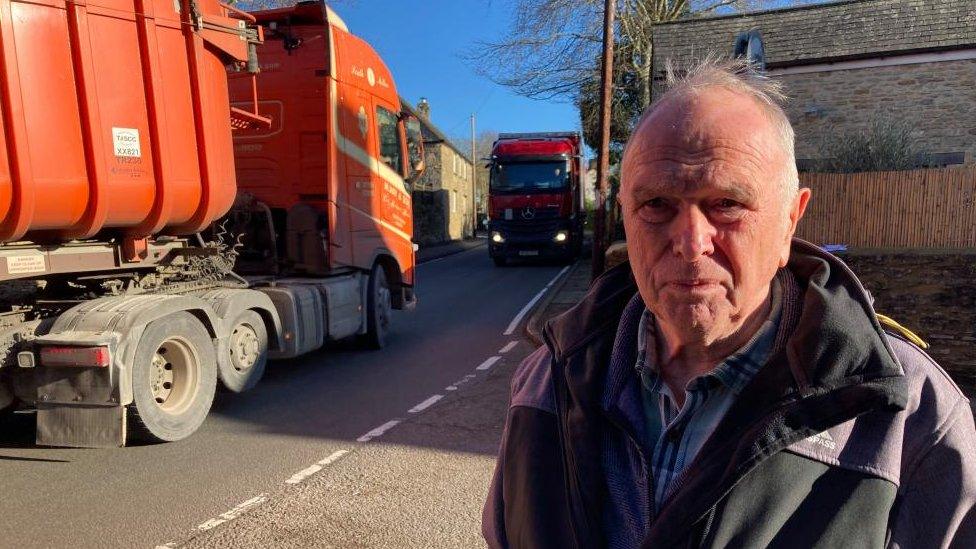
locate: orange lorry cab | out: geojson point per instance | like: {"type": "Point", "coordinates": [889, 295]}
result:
{"type": "Point", "coordinates": [334, 165]}
{"type": "Point", "coordinates": [139, 268]}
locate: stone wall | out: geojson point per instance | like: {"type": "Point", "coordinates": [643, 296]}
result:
{"type": "Point", "coordinates": [938, 100]}
{"type": "Point", "coordinates": [825, 31]}
{"type": "Point", "coordinates": [455, 179]}
{"type": "Point", "coordinates": [932, 294]}
{"type": "Point", "coordinates": [441, 175]}
{"type": "Point", "coordinates": [430, 223]}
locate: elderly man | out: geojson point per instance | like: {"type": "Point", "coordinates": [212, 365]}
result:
{"type": "Point", "coordinates": [732, 386]}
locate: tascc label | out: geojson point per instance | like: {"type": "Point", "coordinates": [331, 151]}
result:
{"type": "Point", "coordinates": [126, 142]}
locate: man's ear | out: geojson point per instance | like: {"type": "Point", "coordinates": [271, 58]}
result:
{"type": "Point", "coordinates": [797, 209]}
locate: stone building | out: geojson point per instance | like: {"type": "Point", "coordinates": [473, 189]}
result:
{"type": "Point", "coordinates": [442, 195]}
{"type": "Point", "coordinates": [845, 64]}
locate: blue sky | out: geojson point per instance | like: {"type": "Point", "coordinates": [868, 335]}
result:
{"type": "Point", "coordinates": [422, 43]}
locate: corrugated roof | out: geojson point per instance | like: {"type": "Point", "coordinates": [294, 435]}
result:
{"type": "Point", "coordinates": [826, 32]}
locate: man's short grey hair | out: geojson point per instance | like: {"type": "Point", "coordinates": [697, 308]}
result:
{"type": "Point", "coordinates": [739, 76]}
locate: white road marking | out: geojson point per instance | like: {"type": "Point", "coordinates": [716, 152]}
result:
{"type": "Point", "coordinates": [316, 467]}
{"type": "Point", "coordinates": [488, 363]}
{"type": "Point", "coordinates": [528, 306]}
{"type": "Point", "coordinates": [237, 511]}
{"type": "Point", "coordinates": [425, 404]}
{"type": "Point", "coordinates": [378, 431]}
{"type": "Point", "coordinates": [454, 386]}
{"type": "Point", "coordinates": [511, 345]}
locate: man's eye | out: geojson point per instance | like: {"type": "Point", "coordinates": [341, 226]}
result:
{"type": "Point", "coordinates": [727, 210]}
{"type": "Point", "coordinates": [656, 210]}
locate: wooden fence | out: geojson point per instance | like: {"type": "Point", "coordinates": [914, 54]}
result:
{"type": "Point", "coordinates": [914, 209]}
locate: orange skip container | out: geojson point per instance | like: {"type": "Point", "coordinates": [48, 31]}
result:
{"type": "Point", "coordinates": [114, 114]}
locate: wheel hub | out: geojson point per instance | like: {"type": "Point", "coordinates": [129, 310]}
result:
{"type": "Point", "coordinates": [173, 375]}
{"type": "Point", "coordinates": [244, 347]}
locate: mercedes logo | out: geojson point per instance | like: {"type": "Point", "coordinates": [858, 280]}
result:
{"type": "Point", "coordinates": [528, 212]}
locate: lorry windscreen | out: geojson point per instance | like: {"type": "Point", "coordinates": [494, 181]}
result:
{"type": "Point", "coordinates": [519, 177]}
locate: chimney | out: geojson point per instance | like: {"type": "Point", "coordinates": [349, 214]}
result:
{"type": "Point", "coordinates": [423, 107]}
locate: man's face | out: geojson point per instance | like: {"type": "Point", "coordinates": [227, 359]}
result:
{"type": "Point", "coordinates": [707, 221]}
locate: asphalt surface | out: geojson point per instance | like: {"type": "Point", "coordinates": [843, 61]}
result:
{"type": "Point", "coordinates": [302, 412]}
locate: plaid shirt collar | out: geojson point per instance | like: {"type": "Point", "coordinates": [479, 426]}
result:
{"type": "Point", "coordinates": [734, 372]}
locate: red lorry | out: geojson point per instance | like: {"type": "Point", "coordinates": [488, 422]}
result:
{"type": "Point", "coordinates": [138, 267]}
{"type": "Point", "coordinates": [535, 208]}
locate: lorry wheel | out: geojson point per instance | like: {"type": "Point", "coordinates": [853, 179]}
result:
{"type": "Point", "coordinates": [379, 308]}
{"type": "Point", "coordinates": [174, 377]}
{"type": "Point", "coordinates": [247, 347]}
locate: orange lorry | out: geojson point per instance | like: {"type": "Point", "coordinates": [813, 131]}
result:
{"type": "Point", "coordinates": [138, 266]}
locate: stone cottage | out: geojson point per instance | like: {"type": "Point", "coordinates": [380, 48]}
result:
{"type": "Point", "coordinates": [442, 195]}
{"type": "Point", "coordinates": [846, 63]}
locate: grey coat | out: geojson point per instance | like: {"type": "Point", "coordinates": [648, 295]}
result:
{"type": "Point", "coordinates": [847, 437]}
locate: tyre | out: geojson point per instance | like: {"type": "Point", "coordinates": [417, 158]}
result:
{"type": "Point", "coordinates": [379, 308]}
{"type": "Point", "coordinates": [174, 377]}
{"type": "Point", "coordinates": [247, 348]}
{"type": "Point", "coordinates": [500, 261]}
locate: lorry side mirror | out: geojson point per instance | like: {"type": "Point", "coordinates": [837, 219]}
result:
{"type": "Point", "coordinates": [415, 148]}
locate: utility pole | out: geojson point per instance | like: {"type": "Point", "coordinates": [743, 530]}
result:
{"type": "Point", "coordinates": [474, 184]}
{"type": "Point", "coordinates": [606, 83]}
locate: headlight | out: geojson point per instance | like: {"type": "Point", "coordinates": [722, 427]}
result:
{"type": "Point", "coordinates": [561, 236]}
{"type": "Point", "coordinates": [497, 237]}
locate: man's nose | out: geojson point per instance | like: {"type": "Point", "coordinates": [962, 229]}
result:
{"type": "Point", "coordinates": [693, 232]}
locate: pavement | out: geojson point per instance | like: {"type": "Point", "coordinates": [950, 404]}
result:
{"type": "Point", "coordinates": [422, 485]}
{"type": "Point", "coordinates": [567, 292]}
{"type": "Point", "coordinates": [341, 448]}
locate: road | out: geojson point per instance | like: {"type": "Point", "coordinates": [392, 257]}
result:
{"type": "Point", "coordinates": [303, 411]}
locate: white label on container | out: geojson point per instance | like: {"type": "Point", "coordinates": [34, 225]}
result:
{"type": "Point", "coordinates": [29, 263]}
{"type": "Point", "coordinates": [126, 141]}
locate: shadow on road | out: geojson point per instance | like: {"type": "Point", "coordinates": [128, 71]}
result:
{"type": "Point", "coordinates": [342, 391]}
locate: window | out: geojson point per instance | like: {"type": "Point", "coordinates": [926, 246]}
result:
{"type": "Point", "coordinates": [389, 139]}
{"type": "Point", "coordinates": [520, 177]}
{"type": "Point", "coordinates": [453, 201]}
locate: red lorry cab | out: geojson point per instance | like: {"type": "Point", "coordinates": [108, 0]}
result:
{"type": "Point", "coordinates": [534, 196]}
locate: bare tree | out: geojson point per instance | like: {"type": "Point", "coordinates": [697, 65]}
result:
{"type": "Point", "coordinates": [552, 51]}
{"type": "Point", "coordinates": [551, 47]}
{"type": "Point", "coordinates": [482, 147]}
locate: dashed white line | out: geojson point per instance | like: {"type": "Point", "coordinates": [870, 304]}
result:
{"type": "Point", "coordinates": [316, 467]}
{"type": "Point", "coordinates": [528, 306]}
{"type": "Point", "coordinates": [237, 511]}
{"type": "Point", "coordinates": [462, 381]}
{"type": "Point", "coordinates": [425, 404]}
{"type": "Point", "coordinates": [488, 363]}
{"type": "Point", "coordinates": [378, 431]}
{"type": "Point", "coordinates": [508, 347]}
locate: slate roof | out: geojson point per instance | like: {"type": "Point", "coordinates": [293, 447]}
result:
{"type": "Point", "coordinates": [432, 134]}
{"type": "Point", "coordinates": [818, 33]}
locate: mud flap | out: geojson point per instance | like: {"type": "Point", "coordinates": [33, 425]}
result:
{"type": "Point", "coordinates": [80, 426]}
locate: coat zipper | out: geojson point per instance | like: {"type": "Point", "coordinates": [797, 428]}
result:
{"type": "Point", "coordinates": [581, 520]}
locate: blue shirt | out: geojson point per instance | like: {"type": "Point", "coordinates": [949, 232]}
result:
{"type": "Point", "coordinates": [677, 434]}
